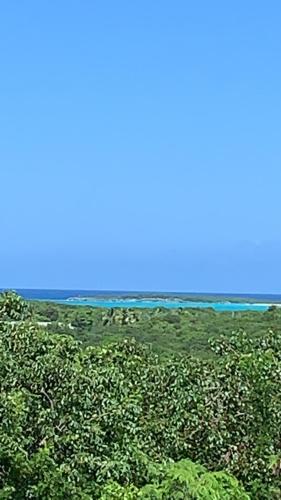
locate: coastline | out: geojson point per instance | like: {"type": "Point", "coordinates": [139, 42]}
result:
{"type": "Point", "coordinates": [147, 300]}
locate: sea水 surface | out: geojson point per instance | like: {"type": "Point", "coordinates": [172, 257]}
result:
{"type": "Point", "coordinates": [109, 299]}
{"type": "Point", "coordinates": [169, 304]}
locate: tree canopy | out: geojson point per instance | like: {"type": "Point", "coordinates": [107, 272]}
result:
{"type": "Point", "coordinates": [119, 422]}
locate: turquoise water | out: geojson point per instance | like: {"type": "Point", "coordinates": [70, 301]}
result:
{"type": "Point", "coordinates": [168, 303]}
{"type": "Point", "coordinates": [107, 298]}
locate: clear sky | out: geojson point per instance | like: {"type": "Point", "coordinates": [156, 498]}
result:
{"type": "Point", "coordinates": [140, 145]}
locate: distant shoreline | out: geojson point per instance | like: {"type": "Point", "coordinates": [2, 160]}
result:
{"type": "Point", "coordinates": [64, 294]}
{"type": "Point", "coordinates": [175, 298]}
{"type": "Point", "coordinates": [169, 300]}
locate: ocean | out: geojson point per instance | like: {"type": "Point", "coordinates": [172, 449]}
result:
{"type": "Point", "coordinates": [170, 300]}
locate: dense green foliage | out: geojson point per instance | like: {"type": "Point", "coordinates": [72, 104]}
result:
{"type": "Point", "coordinates": [180, 331]}
{"type": "Point", "coordinates": [120, 422]}
{"type": "Point", "coordinates": [181, 480]}
{"type": "Point", "coordinates": [13, 308]}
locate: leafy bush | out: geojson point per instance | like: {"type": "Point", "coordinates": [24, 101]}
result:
{"type": "Point", "coordinates": [84, 423]}
{"type": "Point", "coordinates": [181, 480]}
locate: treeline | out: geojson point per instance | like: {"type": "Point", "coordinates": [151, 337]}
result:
{"type": "Point", "coordinates": [179, 331]}
{"type": "Point", "coordinates": [119, 422]}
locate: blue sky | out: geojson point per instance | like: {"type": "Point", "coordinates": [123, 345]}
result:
{"type": "Point", "coordinates": [140, 145]}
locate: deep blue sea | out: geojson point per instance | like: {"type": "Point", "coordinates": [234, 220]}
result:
{"type": "Point", "coordinates": [94, 298]}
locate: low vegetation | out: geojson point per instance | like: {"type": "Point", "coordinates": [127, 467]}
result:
{"type": "Point", "coordinates": [176, 331]}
